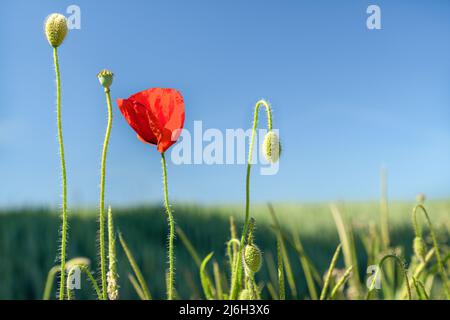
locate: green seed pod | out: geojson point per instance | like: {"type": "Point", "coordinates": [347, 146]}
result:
{"type": "Point", "coordinates": [252, 257]}
{"type": "Point", "coordinates": [272, 147]}
{"type": "Point", "coordinates": [106, 78]}
{"type": "Point", "coordinates": [245, 295]}
{"type": "Point", "coordinates": [56, 29]}
{"type": "Point", "coordinates": [419, 248]}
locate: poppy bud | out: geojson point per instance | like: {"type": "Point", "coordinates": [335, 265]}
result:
{"type": "Point", "coordinates": [56, 29]}
{"type": "Point", "coordinates": [252, 257]}
{"type": "Point", "coordinates": [106, 78]}
{"type": "Point", "coordinates": [272, 147]}
{"type": "Point", "coordinates": [245, 295]}
{"type": "Point", "coordinates": [421, 198]}
{"type": "Point", "coordinates": [419, 248]}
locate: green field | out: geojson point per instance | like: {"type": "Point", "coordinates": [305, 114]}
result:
{"type": "Point", "coordinates": [28, 243]}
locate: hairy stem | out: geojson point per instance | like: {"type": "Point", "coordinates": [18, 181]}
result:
{"type": "Point", "coordinates": [102, 197]}
{"type": "Point", "coordinates": [237, 273]}
{"type": "Point", "coordinates": [171, 230]}
{"type": "Point", "coordinates": [64, 177]}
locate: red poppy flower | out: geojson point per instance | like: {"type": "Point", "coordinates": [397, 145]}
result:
{"type": "Point", "coordinates": [156, 114]}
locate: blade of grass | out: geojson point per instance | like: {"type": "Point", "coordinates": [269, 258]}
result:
{"type": "Point", "coordinates": [136, 287]}
{"type": "Point", "coordinates": [306, 266]}
{"type": "Point", "coordinates": [135, 268]}
{"type": "Point", "coordinates": [281, 288]}
{"type": "Point", "coordinates": [341, 282]}
{"type": "Point", "coordinates": [330, 272]}
{"type": "Point", "coordinates": [218, 281]}
{"type": "Point", "coordinates": [287, 265]}
{"type": "Point", "coordinates": [272, 291]}
{"type": "Point", "coordinates": [192, 251]}
{"type": "Point", "coordinates": [206, 283]}
{"type": "Point", "coordinates": [348, 248]}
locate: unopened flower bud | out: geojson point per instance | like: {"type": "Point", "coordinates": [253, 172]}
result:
{"type": "Point", "coordinates": [252, 257]}
{"type": "Point", "coordinates": [272, 147]}
{"type": "Point", "coordinates": [56, 29]}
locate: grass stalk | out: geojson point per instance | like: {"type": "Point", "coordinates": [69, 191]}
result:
{"type": "Point", "coordinates": [330, 272]}
{"type": "Point", "coordinates": [135, 268]}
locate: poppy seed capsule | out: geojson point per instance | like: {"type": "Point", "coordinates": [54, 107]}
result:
{"type": "Point", "coordinates": [252, 257]}
{"type": "Point", "coordinates": [106, 78]}
{"type": "Point", "coordinates": [245, 295]}
{"type": "Point", "coordinates": [56, 29]}
{"type": "Point", "coordinates": [272, 147]}
{"type": "Point", "coordinates": [419, 247]}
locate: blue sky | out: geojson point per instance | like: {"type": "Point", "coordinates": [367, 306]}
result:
{"type": "Point", "coordinates": [347, 100]}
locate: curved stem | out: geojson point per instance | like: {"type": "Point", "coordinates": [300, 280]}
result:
{"type": "Point", "coordinates": [236, 278]}
{"type": "Point", "coordinates": [230, 251]}
{"type": "Point", "coordinates": [49, 283]}
{"type": "Point", "coordinates": [435, 244]}
{"type": "Point", "coordinates": [102, 197]}
{"type": "Point", "coordinates": [380, 265]}
{"type": "Point", "coordinates": [84, 269]}
{"type": "Point", "coordinates": [63, 174]}
{"type": "Point", "coordinates": [171, 230]}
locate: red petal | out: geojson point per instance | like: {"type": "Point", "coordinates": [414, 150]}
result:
{"type": "Point", "coordinates": [164, 115]}
{"type": "Point", "coordinates": [137, 117]}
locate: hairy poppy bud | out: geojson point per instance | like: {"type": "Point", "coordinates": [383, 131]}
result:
{"type": "Point", "coordinates": [56, 29]}
{"type": "Point", "coordinates": [252, 257]}
{"type": "Point", "coordinates": [419, 248]}
{"type": "Point", "coordinates": [106, 78]}
{"type": "Point", "coordinates": [272, 147]}
{"type": "Point", "coordinates": [79, 261]}
{"type": "Point", "coordinates": [245, 295]}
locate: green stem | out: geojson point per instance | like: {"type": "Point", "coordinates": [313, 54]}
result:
{"type": "Point", "coordinates": [102, 197]}
{"type": "Point", "coordinates": [237, 273]}
{"type": "Point", "coordinates": [323, 294]}
{"type": "Point", "coordinates": [49, 283]}
{"type": "Point", "coordinates": [380, 265]}
{"type": "Point", "coordinates": [281, 287]}
{"type": "Point", "coordinates": [341, 282]}
{"type": "Point", "coordinates": [64, 178]}
{"type": "Point", "coordinates": [135, 267]}
{"type": "Point", "coordinates": [171, 231]}
{"type": "Point", "coordinates": [435, 244]}
{"type": "Point", "coordinates": [90, 277]}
